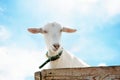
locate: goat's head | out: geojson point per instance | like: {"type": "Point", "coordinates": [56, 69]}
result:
{"type": "Point", "coordinates": [52, 34]}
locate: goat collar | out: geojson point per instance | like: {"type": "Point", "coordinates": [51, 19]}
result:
{"type": "Point", "coordinates": [56, 56]}
{"type": "Point", "coordinates": [51, 58]}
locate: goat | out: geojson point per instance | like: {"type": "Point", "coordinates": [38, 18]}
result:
{"type": "Point", "coordinates": [52, 34]}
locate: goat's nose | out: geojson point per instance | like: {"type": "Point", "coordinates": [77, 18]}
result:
{"type": "Point", "coordinates": [56, 46]}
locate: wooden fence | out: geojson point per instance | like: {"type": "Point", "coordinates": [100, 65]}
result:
{"type": "Point", "coordinates": [89, 73]}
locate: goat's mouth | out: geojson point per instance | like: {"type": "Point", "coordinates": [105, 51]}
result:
{"type": "Point", "coordinates": [55, 49]}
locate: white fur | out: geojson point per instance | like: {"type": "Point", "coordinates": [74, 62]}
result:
{"type": "Point", "coordinates": [52, 34]}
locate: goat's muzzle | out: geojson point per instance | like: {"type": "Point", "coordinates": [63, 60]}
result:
{"type": "Point", "coordinates": [56, 47]}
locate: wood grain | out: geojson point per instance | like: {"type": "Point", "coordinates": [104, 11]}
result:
{"type": "Point", "coordinates": [89, 73]}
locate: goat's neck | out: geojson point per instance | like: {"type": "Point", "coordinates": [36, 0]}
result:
{"type": "Point", "coordinates": [51, 53]}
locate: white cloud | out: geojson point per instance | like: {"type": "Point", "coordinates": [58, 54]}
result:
{"type": "Point", "coordinates": [4, 33]}
{"type": "Point", "coordinates": [92, 13]}
{"type": "Point", "coordinates": [18, 64]}
{"type": "Point", "coordinates": [68, 11]}
{"type": "Point", "coordinates": [112, 7]}
{"type": "Point", "coordinates": [102, 64]}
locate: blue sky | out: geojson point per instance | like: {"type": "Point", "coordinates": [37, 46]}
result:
{"type": "Point", "coordinates": [97, 40]}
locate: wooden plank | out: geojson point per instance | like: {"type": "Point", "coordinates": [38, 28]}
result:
{"type": "Point", "coordinates": [89, 73]}
{"type": "Point", "coordinates": [37, 75]}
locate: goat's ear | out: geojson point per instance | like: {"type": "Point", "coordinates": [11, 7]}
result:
{"type": "Point", "coordinates": [69, 30]}
{"type": "Point", "coordinates": [35, 30]}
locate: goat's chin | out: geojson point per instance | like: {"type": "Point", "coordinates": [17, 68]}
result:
{"type": "Point", "coordinates": [54, 50]}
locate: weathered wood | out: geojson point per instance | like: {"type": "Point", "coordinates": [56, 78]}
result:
{"type": "Point", "coordinates": [90, 73]}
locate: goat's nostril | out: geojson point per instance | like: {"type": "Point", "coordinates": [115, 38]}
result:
{"type": "Point", "coordinates": [56, 46]}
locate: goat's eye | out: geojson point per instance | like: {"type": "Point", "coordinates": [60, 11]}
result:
{"type": "Point", "coordinates": [61, 30]}
{"type": "Point", "coordinates": [45, 32]}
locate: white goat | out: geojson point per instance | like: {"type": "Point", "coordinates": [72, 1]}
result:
{"type": "Point", "coordinates": [52, 34]}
